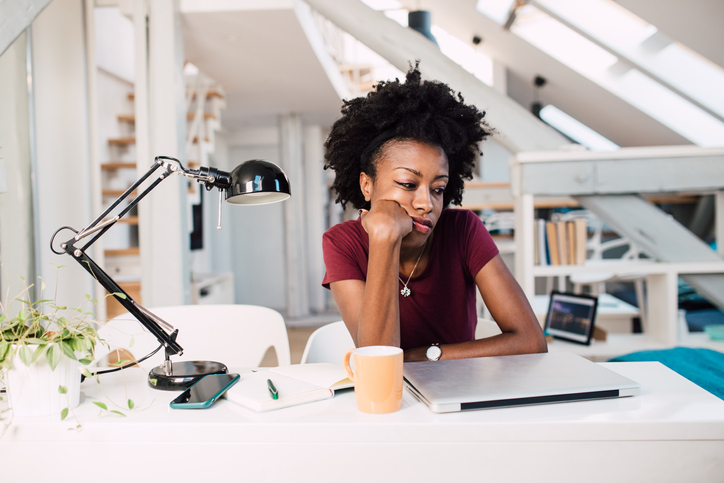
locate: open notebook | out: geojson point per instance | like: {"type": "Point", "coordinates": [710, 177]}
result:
{"type": "Point", "coordinates": [296, 384]}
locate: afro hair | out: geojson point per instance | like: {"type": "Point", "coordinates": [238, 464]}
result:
{"type": "Point", "coordinates": [417, 110]}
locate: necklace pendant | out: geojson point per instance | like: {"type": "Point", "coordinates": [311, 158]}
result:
{"type": "Point", "coordinates": [405, 291]}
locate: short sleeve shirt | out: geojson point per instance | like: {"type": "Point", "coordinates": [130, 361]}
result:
{"type": "Point", "coordinates": [442, 306]}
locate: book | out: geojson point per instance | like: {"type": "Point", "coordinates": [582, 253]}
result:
{"type": "Point", "coordinates": [536, 243]}
{"type": "Point", "coordinates": [552, 238]}
{"type": "Point", "coordinates": [571, 234]}
{"type": "Point", "coordinates": [581, 239]}
{"type": "Point", "coordinates": [296, 384]}
{"type": "Point", "coordinates": [562, 239]}
{"type": "Point", "coordinates": [541, 246]}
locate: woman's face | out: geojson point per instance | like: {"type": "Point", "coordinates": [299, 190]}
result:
{"type": "Point", "coordinates": [414, 175]}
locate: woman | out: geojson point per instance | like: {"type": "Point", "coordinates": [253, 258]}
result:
{"type": "Point", "coordinates": [405, 272]}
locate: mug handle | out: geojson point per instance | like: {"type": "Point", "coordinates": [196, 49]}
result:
{"type": "Point", "coordinates": [347, 368]}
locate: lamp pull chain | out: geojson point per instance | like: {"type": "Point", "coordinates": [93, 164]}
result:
{"type": "Point", "coordinates": [218, 226]}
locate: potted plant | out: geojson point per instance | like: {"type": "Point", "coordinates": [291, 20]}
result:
{"type": "Point", "coordinates": [42, 350]}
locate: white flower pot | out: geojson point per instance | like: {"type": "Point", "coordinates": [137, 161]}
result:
{"type": "Point", "coordinates": [33, 391]}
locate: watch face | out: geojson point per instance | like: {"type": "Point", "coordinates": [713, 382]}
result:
{"type": "Point", "coordinates": [433, 353]}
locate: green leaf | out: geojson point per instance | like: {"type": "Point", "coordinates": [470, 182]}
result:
{"type": "Point", "coordinates": [87, 373]}
{"type": "Point", "coordinates": [64, 414]}
{"type": "Point", "coordinates": [101, 405]}
{"type": "Point", "coordinates": [62, 390]}
{"type": "Point", "coordinates": [87, 297]}
{"type": "Point", "coordinates": [53, 356]}
{"type": "Point", "coordinates": [25, 355]}
{"type": "Point", "coordinates": [86, 360]}
{"type": "Point", "coordinates": [131, 404]}
{"type": "Point", "coordinates": [117, 412]}
{"type": "Point", "coordinates": [133, 341]}
{"type": "Point", "coordinates": [120, 295]}
{"type": "Point", "coordinates": [67, 349]}
{"type": "Point", "coordinates": [39, 351]}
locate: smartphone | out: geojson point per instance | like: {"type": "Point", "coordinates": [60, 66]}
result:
{"type": "Point", "coordinates": [205, 391]}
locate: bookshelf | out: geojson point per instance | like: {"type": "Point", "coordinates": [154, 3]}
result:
{"type": "Point", "coordinates": [687, 169]}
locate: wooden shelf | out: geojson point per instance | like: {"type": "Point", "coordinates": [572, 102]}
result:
{"type": "Point", "coordinates": [129, 220]}
{"type": "Point", "coordinates": [639, 267]}
{"type": "Point", "coordinates": [117, 193]}
{"type": "Point", "coordinates": [118, 165]}
{"type": "Point", "coordinates": [117, 252]}
{"type": "Point", "coordinates": [122, 141]}
{"type": "Point", "coordinates": [209, 94]}
{"type": "Point", "coordinates": [189, 116]}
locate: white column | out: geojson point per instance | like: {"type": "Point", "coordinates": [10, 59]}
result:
{"type": "Point", "coordinates": [16, 204]}
{"type": "Point", "coordinates": [294, 217]}
{"type": "Point", "coordinates": [719, 222]}
{"type": "Point", "coordinates": [63, 182]}
{"type": "Point", "coordinates": [93, 140]}
{"type": "Point", "coordinates": [316, 207]}
{"type": "Point", "coordinates": [164, 236]}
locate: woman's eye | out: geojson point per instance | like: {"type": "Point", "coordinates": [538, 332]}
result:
{"type": "Point", "coordinates": [406, 185]}
{"type": "Point", "coordinates": [439, 191]}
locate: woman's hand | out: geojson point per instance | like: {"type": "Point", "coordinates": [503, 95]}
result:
{"type": "Point", "coordinates": [386, 221]}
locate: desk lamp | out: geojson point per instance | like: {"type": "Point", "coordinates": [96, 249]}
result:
{"type": "Point", "coordinates": [253, 182]}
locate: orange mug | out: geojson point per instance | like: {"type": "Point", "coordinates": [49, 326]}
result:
{"type": "Point", "coordinates": [377, 378]}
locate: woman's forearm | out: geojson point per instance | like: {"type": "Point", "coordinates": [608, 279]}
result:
{"type": "Point", "coordinates": [379, 321]}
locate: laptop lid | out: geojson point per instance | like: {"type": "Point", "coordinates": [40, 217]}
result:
{"type": "Point", "coordinates": [505, 381]}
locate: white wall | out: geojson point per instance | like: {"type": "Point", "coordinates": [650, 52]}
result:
{"type": "Point", "coordinates": [16, 205]}
{"type": "Point", "coordinates": [114, 42]}
{"type": "Point", "coordinates": [257, 247]}
{"type": "Point", "coordinates": [62, 144]}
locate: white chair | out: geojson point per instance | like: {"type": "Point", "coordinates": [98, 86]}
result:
{"type": "Point", "coordinates": [235, 335]}
{"type": "Point", "coordinates": [329, 343]}
{"type": "Point", "coordinates": [486, 328]}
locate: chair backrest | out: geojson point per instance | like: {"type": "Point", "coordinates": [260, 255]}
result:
{"type": "Point", "coordinates": [328, 344]}
{"type": "Point", "coordinates": [486, 328]}
{"type": "Point", "coordinates": [236, 335]}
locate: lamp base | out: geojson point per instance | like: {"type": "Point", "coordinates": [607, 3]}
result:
{"type": "Point", "coordinates": [183, 374]}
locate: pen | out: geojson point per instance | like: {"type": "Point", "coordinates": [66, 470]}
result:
{"type": "Point", "coordinates": [272, 390]}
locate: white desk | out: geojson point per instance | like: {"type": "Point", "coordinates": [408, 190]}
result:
{"type": "Point", "coordinates": [673, 431]}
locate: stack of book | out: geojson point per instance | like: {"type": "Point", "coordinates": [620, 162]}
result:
{"type": "Point", "coordinates": [561, 242]}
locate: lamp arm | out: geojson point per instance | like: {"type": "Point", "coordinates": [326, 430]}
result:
{"type": "Point", "coordinates": [149, 320]}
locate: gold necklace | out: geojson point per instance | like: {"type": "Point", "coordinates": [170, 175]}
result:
{"type": "Point", "coordinates": [406, 292]}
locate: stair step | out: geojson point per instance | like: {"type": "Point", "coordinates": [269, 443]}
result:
{"type": "Point", "coordinates": [189, 116]}
{"type": "Point", "coordinates": [108, 192]}
{"type": "Point", "coordinates": [118, 165]}
{"type": "Point", "coordinates": [116, 252]}
{"type": "Point", "coordinates": [129, 220]}
{"type": "Point", "coordinates": [122, 141]}
{"type": "Point", "coordinates": [209, 94]}
{"type": "Point", "coordinates": [129, 141]}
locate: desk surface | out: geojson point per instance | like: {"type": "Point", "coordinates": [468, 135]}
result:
{"type": "Point", "coordinates": [670, 415]}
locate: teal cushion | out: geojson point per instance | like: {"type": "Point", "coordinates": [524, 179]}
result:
{"type": "Point", "coordinates": [703, 367]}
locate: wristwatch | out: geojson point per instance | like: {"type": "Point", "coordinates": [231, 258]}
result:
{"type": "Point", "coordinates": [434, 352]}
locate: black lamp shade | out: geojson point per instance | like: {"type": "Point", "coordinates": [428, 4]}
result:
{"type": "Point", "coordinates": [257, 182]}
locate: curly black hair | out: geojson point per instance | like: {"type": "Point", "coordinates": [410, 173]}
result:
{"type": "Point", "coordinates": [423, 111]}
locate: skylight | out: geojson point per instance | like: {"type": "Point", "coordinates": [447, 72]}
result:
{"type": "Point", "coordinates": [481, 66]}
{"type": "Point", "coordinates": [576, 130]}
{"type": "Point", "coordinates": [627, 56]}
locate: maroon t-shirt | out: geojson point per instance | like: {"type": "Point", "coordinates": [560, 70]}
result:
{"type": "Point", "coordinates": [442, 305]}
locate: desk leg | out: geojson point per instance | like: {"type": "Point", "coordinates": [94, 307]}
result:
{"type": "Point", "coordinates": [662, 307]}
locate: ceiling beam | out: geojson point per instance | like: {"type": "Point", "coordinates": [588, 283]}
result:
{"type": "Point", "coordinates": [518, 129]}
{"type": "Point", "coordinates": [16, 16]}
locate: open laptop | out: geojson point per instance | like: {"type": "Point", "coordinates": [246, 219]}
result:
{"type": "Point", "coordinates": [506, 381]}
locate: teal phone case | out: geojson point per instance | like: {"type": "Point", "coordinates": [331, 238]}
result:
{"type": "Point", "coordinates": [206, 403]}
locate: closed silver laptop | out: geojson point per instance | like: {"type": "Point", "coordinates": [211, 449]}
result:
{"type": "Point", "coordinates": [519, 380]}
